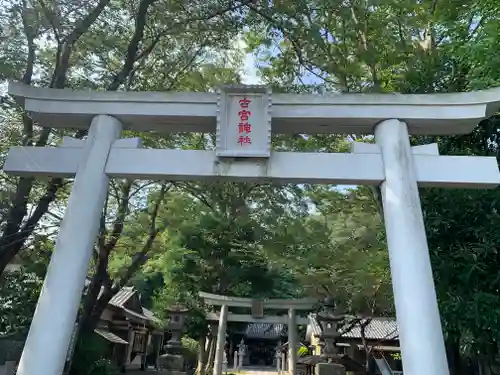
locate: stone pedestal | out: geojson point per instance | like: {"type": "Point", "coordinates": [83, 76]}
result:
{"type": "Point", "coordinates": [173, 362]}
{"type": "Point", "coordinates": [329, 369]}
{"type": "Point", "coordinates": [9, 368]}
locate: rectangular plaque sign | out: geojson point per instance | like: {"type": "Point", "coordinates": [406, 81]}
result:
{"type": "Point", "coordinates": [244, 121]}
{"type": "Point", "coordinates": [257, 308]}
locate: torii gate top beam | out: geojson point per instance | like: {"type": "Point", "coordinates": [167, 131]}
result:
{"type": "Point", "coordinates": [297, 304]}
{"type": "Point", "coordinates": [440, 114]}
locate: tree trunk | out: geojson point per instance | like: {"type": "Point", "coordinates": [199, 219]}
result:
{"type": "Point", "coordinates": [211, 355]}
{"type": "Point", "coordinates": [16, 232]}
{"type": "Point", "coordinates": [208, 344]}
{"type": "Point", "coordinates": [455, 362]}
{"type": "Point", "coordinates": [368, 350]}
{"type": "Point", "coordinates": [99, 307]}
{"type": "Point", "coordinates": [481, 367]}
{"type": "Point", "coordinates": [200, 367]}
{"type": "Point", "coordinates": [93, 291]}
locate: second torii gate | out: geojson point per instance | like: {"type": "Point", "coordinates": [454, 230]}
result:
{"type": "Point", "coordinates": [224, 316]}
{"type": "Point", "coordinates": [243, 118]}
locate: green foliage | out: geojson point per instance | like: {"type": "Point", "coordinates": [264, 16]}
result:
{"type": "Point", "coordinates": [190, 349]}
{"type": "Point", "coordinates": [396, 356]}
{"type": "Point", "coordinates": [104, 367]}
{"type": "Point", "coordinates": [87, 358]}
{"type": "Point", "coordinates": [339, 250]}
{"type": "Point", "coordinates": [18, 297]}
{"type": "Point", "coordinates": [20, 288]}
{"type": "Point", "coordinates": [303, 352]}
{"type": "Point", "coordinates": [216, 243]}
{"type": "Point", "coordinates": [463, 237]}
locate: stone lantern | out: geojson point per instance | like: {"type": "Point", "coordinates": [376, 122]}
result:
{"type": "Point", "coordinates": [176, 318]}
{"type": "Point", "coordinates": [330, 323]}
{"type": "Point", "coordinates": [173, 360]}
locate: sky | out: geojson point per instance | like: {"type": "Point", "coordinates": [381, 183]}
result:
{"type": "Point", "coordinates": [250, 75]}
{"type": "Point", "coordinates": [250, 70]}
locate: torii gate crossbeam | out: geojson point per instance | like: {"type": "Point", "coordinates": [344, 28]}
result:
{"type": "Point", "coordinates": [243, 153]}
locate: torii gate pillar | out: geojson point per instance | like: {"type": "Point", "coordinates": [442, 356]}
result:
{"type": "Point", "coordinates": [419, 324]}
{"type": "Point", "coordinates": [50, 334]}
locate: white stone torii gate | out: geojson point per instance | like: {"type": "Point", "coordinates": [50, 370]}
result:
{"type": "Point", "coordinates": [391, 163]}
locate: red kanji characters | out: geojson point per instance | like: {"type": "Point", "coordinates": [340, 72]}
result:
{"type": "Point", "coordinates": [244, 127]}
{"type": "Point", "coordinates": [244, 115]}
{"type": "Point", "coordinates": [244, 103]}
{"type": "Point", "coordinates": [244, 139]}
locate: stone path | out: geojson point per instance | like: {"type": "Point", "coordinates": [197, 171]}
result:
{"type": "Point", "coordinates": [256, 370]}
{"type": "Point", "coordinates": [247, 370]}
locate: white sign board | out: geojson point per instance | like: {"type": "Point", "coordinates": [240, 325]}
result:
{"type": "Point", "coordinates": [244, 122]}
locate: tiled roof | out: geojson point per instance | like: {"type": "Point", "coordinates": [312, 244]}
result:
{"type": "Point", "coordinates": [264, 330]}
{"type": "Point", "coordinates": [350, 364]}
{"type": "Point", "coordinates": [377, 329]}
{"type": "Point", "coordinates": [111, 337]}
{"type": "Point", "coordinates": [122, 296]}
{"type": "Point", "coordinates": [120, 299]}
{"type": "Point", "coordinates": [135, 314]}
{"type": "Point", "coordinates": [150, 315]}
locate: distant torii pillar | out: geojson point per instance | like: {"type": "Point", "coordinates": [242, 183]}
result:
{"type": "Point", "coordinates": [292, 342]}
{"type": "Point", "coordinates": [221, 340]}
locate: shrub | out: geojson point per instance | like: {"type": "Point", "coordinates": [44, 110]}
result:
{"type": "Point", "coordinates": [104, 367]}
{"type": "Point", "coordinates": [88, 352]}
{"type": "Point", "coordinates": [190, 348]}
{"type": "Point", "coordinates": [303, 351]}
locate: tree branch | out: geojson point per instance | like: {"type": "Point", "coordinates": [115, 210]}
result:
{"type": "Point", "coordinates": [133, 45]}
{"type": "Point", "coordinates": [66, 45]}
{"type": "Point", "coordinates": [14, 234]}
{"type": "Point", "coordinates": [30, 34]}
{"type": "Point", "coordinates": [141, 257]}
{"type": "Point", "coordinates": [118, 225]}
{"type": "Point", "coordinates": [28, 73]}
{"type": "Point", "coordinates": [50, 17]}
{"type": "Point", "coordinates": [218, 12]}
{"type": "Point", "coordinates": [185, 68]}
{"type": "Point", "coordinates": [196, 193]}
{"type": "Point", "coordinates": [297, 48]}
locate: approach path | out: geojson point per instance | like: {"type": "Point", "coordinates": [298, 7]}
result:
{"type": "Point", "coordinates": [257, 370]}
